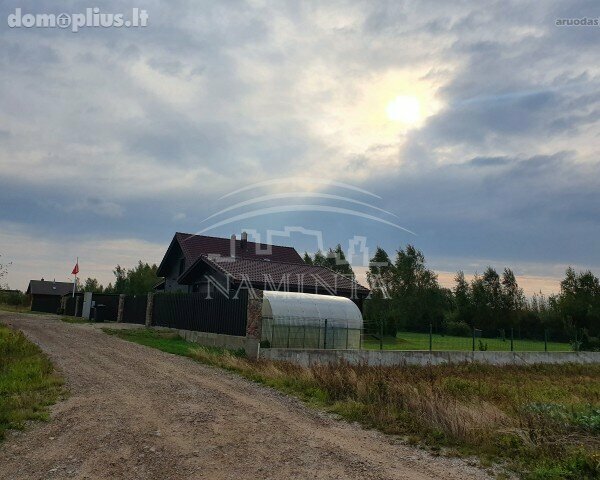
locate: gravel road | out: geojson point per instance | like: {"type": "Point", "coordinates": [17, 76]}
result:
{"type": "Point", "coordinates": [137, 413]}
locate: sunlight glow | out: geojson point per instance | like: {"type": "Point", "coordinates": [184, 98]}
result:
{"type": "Point", "coordinates": [405, 109]}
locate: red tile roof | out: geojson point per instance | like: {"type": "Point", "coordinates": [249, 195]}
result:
{"type": "Point", "coordinates": [262, 273]}
{"type": "Point", "coordinates": [195, 245]}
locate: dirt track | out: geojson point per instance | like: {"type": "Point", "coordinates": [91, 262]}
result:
{"type": "Point", "coordinates": [138, 413]}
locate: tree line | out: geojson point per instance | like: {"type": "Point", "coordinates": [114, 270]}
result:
{"type": "Point", "coordinates": [406, 295]}
{"type": "Point", "coordinates": [133, 281]}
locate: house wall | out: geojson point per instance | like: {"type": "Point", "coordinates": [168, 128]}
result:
{"type": "Point", "coordinates": [45, 303]}
{"type": "Point", "coordinates": [172, 271]}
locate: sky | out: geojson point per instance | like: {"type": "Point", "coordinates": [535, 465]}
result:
{"type": "Point", "coordinates": [468, 129]}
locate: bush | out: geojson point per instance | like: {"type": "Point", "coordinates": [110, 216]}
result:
{"type": "Point", "coordinates": [15, 299]}
{"type": "Point", "coordinates": [589, 343]}
{"type": "Point", "coordinates": [458, 329]}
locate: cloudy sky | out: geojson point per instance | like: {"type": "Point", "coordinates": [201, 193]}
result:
{"type": "Point", "coordinates": [475, 126]}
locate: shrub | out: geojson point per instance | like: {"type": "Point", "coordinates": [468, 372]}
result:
{"type": "Point", "coordinates": [458, 329]}
{"type": "Point", "coordinates": [14, 298]}
{"type": "Point", "coordinates": [589, 343]}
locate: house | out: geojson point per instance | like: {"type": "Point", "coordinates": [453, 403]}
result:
{"type": "Point", "coordinates": [46, 295]}
{"type": "Point", "coordinates": [201, 264]}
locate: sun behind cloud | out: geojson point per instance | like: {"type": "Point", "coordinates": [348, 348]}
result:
{"type": "Point", "coordinates": [405, 109]}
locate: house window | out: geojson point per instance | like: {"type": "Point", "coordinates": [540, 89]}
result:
{"type": "Point", "coordinates": [181, 266]}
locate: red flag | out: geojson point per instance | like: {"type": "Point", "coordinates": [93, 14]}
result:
{"type": "Point", "coordinates": [75, 269]}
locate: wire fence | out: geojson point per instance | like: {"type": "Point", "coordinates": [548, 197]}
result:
{"type": "Point", "coordinates": [476, 339]}
{"type": "Point", "coordinates": [339, 334]}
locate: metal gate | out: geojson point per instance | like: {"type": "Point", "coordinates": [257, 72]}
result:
{"type": "Point", "coordinates": [111, 305]}
{"type": "Point", "coordinates": [134, 309]}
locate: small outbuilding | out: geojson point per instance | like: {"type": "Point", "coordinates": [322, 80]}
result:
{"type": "Point", "coordinates": [305, 320]}
{"type": "Point", "coordinates": [46, 296]}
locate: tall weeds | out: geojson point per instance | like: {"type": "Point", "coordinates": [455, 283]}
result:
{"type": "Point", "coordinates": [542, 420]}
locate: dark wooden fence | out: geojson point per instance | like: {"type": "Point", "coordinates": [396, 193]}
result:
{"type": "Point", "coordinates": [134, 309]}
{"type": "Point", "coordinates": [192, 311]}
{"type": "Point", "coordinates": [70, 305]}
{"type": "Point", "coordinates": [111, 305]}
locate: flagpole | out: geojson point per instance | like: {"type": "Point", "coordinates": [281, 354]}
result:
{"type": "Point", "coordinates": [75, 278]}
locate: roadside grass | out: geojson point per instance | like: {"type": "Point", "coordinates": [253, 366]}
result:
{"type": "Point", "coordinates": [74, 320]}
{"type": "Point", "coordinates": [13, 308]}
{"type": "Point", "coordinates": [540, 421]}
{"type": "Point", "coordinates": [19, 309]}
{"type": "Point", "coordinates": [28, 383]}
{"type": "Point", "coordinates": [420, 341]}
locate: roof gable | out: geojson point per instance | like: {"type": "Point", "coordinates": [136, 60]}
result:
{"type": "Point", "coordinates": [194, 246]}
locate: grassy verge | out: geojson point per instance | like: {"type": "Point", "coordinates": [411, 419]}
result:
{"type": "Point", "coordinates": [14, 308]}
{"type": "Point", "coordinates": [74, 320]}
{"type": "Point", "coordinates": [420, 341]}
{"type": "Point", "coordinates": [542, 422]}
{"type": "Point", "coordinates": [28, 384]}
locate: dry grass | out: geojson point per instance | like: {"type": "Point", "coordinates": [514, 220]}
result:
{"type": "Point", "coordinates": [467, 408]}
{"type": "Point", "coordinates": [542, 421]}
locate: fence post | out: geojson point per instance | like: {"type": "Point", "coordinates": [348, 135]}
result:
{"type": "Point", "coordinates": [254, 324]}
{"type": "Point", "coordinates": [325, 337]}
{"type": "Point", "coordinates": [473, 337]}
{"type": "Point", "coordinates": [304, 337]}
{"type": "Point", "coordinates": [76, 307]}
{"type": "Point", "coordinates": [273, 333]}
{"type": "Point", "coordinates": [546, 340]}
{"type": "Point", "coordinates": [512, 339]}
{"type": "Point", "coordinates": [288, 337]}
{"type": "Point", "coordinates": [120, 308]}
{"type": "Point", "coordinates": [381, 336]}
{"type": "Point", "coordinates": [63, 304]}
{"type": "Point", "coordinates": [430, 337]}
{"type": "Point", "coordinates": [149, 305]}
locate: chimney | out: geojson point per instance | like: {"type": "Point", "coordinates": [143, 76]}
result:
{"type": "Point", "coordinates": [232, 246]}
{"type": "Point", "coordinates": [244, 241]}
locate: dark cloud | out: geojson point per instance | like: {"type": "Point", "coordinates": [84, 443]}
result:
{"type": "Point", "coordinates": [488, 161]}
{"type": "Point", "coordinates": [121, 131]}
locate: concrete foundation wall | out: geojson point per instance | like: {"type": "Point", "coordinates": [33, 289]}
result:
{"type": "Point", "coordinates": [211, 339]}
{"type": "Point", "coordinates": [391, 358]}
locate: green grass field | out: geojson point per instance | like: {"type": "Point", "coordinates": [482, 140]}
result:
{"type": "Point", "coordinates": [420, 341]}
{"type": "Point", "coordinates": [28, 383]}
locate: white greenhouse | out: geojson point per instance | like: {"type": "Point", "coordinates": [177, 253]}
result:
{"type": "Point", "coordinates": [306, 320]}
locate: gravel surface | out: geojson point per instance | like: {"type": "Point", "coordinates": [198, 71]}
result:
{"type": "Point", "coordinates": [137, 413]}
